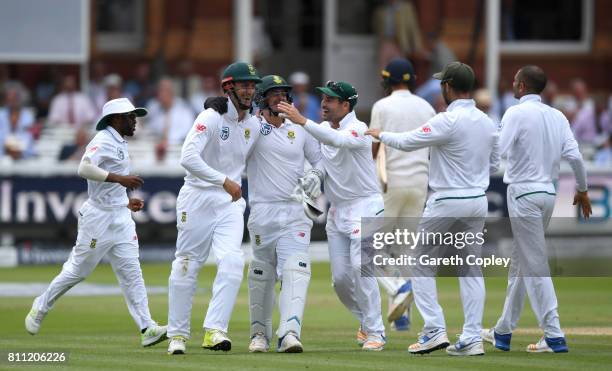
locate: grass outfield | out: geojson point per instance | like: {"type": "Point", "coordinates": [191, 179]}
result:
{"type": "Point", "coordinates": [99, 333]}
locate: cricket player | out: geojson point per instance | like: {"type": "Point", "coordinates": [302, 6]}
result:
{"type": "Point", "coordinates": [353, 190]}
{"type": "Point", "coordinates": [106, 227]}
{"type": "Point", "coordinates": [464, 151]}
{"type": "Point", "coordinates": [534, 138]}
{"type": "Point", "coordinates": [278, 226]}
{"type": "Point", "coordinates": [405, 186]}
{"type": "Point", "coordinates": [210, 211]}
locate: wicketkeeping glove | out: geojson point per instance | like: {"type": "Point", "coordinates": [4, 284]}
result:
{"type": "Point", "coordinates": [311, 183]}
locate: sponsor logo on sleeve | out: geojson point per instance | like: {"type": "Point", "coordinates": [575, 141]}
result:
{"type": "Point", "coordinates": [200, 128]}
{"type": "Point", "coordinates": [93, 149]}
{"type": "Point", "coordinates": [426, 129]}
{"type": "Point", "coordinates": [354, 133]}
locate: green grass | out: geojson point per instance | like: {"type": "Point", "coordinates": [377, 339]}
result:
{"type": "Point", "coordinates": [99, 333]}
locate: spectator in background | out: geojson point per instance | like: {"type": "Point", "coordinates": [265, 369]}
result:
{"type": "Point", "coordinates": [397, 26]}
{"type": "Point", "coordinates": [439, 55]}
{"type": "Point", "coordinates": [308, 104]}
{"type": "Point", "coordinates": [97, 88]}
{"type": "Point", "coordinates": [210, 88]}
{"type": "Point", "coordinates": [169, 118]}
{"type": "Point", "coordinates": [140, 88]}
{"type": "Point", "coordinates": [550, 93]}
{"type": "Point", "coordinates": [484, 102]}
{"type": "Point", "coordinates": [45, 89]}
{"type": "Point", "coordinates": [186, 81]}
{"type": "Point", "coordinates": [603, 157]}
{"type": "Point", "coordinates": [16, 121]}
{"type": "Point", "coordinates": [603, 110]}
{"type": "Point", "coordinates": [583, 120]}
{"type": "Point", "coordinates": [113, 85]}
{"type": "Point", "coordinates": [505, 100]}
{"type": "Point", "coordinates": [74, 151]}
{"type": "Point", "coordinates": [71, 106]}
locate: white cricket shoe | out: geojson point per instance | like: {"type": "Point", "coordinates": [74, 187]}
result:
{"type": "Point", "coordinates": [33, 320]}
{"type": "Point", "coordinates": [474, 348]}
{"type": "Point", "coordinates": [549, 345]}
{"type": "Point", "coordinates": [375, 343]}
{"type": "Point", "coordinates": [177, 345]}
{"type": "Point", "coordinates": [289, 344]}
{"type": "Point", "coordinates": [430, 341]}
{"type": "Point", "coordinates": [153, 335]}
{"type": "Point", "coordinates": [259, 343]}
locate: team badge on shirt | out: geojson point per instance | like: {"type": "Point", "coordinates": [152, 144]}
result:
{"type": "Point", "coordinates": [265, 129]}
{"type": "Point", "coordinates": [247, 133]}
{"type": "Point", "coordinates": [257, 240]}
{"type": "Point", "coordinates": [120, 154]}
{"type": "Point", "coordinates": [184, 217]}
{"type": "Point", "coordinates": [291, 135]}
{"type": "Point", "coordinates": [225, 132]}
{"type": "Point", "coordinates": [92, 244]}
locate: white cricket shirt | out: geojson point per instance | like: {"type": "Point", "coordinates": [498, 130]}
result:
{"type": "Point", "coordinates": [277, 161]}
{"type": "Point", "coordinates": [347, 162]}
{"type": "Point", "coordinates": [217, 147]}
{"type": "Point", "coordinates": [534, 138]}
{"type": "Point", "coordinates": [464, 146]}
{"type": "Point", "coordinates": [400, 112]}
{"type": "Point", "coordinates": [108, 151]}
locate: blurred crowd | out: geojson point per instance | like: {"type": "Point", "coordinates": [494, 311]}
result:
{"type": "Point", "coordinates": [174, 101]}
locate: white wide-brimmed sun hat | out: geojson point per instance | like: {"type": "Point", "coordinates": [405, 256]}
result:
{"type": "Point", "coordinates": [118, 106]}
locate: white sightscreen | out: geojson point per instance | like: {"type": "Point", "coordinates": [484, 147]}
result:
{"type": "Point", "coordinates": [40, 31]}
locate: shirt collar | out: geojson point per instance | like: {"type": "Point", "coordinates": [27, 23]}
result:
{"type": "Point", "coordinates": [405, 92]}
{"type": "Point", "coordinates": [530, 97]}
{"type": "Point", "coordinates": [115, 134]}
{"type": "Point", "coordinates": [346, 119]}
{"type": "Point", "coordinates": [460, 103]}
{"type": "Point", "coordinates": [232, 113]}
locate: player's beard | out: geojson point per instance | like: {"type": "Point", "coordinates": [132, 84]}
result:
{"type": "Point", "coordinates": [445, 94]}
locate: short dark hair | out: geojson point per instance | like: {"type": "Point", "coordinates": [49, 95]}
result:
{"type": "Point", "coordinates": [533, 77]}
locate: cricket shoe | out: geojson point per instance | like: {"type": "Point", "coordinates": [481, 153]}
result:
{"type": "Point", "coordinates": [153, 335]}
{"type": "Point", "coordinates": [429, 342]}
{"type": "Point", "coordinates": [500, 341]}
{"type": "Point", "coordinates": [289, 344]}
{"type": "Point", "coordinates": [475, 348]}
{"type": "Point", "coordinates": [362, 337]}
{"type": "Point", "coordinates": [549, 345]}
{"type": "Point", "coordinates": [177, 345]}
{"type": "Point", "coordinates": [33, 320]}
{"type": "Point", "coordinates": [259, 343]}
{"type": "Point", "coordinates": [216, 340]}
{"type": "Point", "coordinates": [375, 343]}
{"type": "Point", "coordinates": [401, 302]}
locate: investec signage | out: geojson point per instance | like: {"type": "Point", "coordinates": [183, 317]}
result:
{"type": "Point", "coordinates": [26, 200]}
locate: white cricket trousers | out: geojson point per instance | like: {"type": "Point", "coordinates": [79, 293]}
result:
{"type": "Point", "coordinates": [278, 230]}
{"type": "Point", "coordinates": [530, 206]}
{"type": "Point", "coordinates": [359, 294]}
{"type": "Point", "coordinates": [103, 232]}
{"type": "Point", "coordinates": [452, 211]}
{"type": "Point", "coordinates": [206, 218]}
